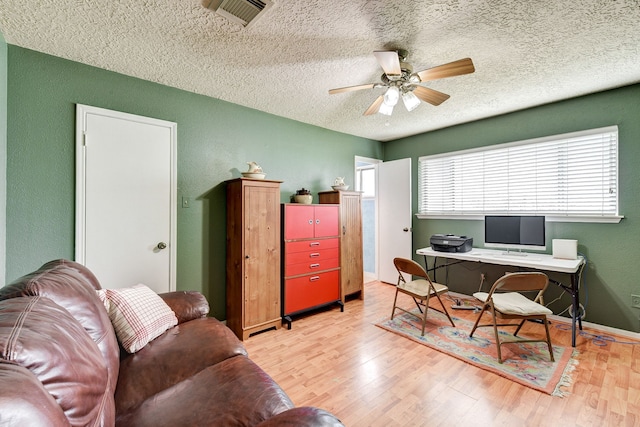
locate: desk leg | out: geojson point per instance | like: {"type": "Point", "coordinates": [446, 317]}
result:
{"type": "Point", "coordinates": [575, 300]}
{"type": "Point", "coordinates": [434, 269]}
{"type": "Point", "coordinates": [573, 325]}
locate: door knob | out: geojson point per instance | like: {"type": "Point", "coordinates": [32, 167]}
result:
{"type": "Point", "coordinates": [405, 229]}
{"type": "Point", "coordinates": [161, 245]}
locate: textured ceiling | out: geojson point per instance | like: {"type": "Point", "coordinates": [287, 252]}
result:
{"type": "Point", "coordinates": [526, 53]}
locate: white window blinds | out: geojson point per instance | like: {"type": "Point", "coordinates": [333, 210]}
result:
{"type": "Point", "coordinates": [570, 175]}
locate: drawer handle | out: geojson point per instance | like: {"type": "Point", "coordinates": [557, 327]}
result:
{"type": "Point", "coordinates": [314, 265]}
{"type": "Point", "coordinates": [314, 278]}
{"type": "Point", "coordinates": [310, 221]}
{"type": "Point", "coordinates": [314, 255]}
{"type": "Point", "coordinates": [314, 244]}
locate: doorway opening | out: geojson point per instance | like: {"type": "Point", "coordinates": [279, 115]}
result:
{"type": "Point", "coordinates": [366, 182]}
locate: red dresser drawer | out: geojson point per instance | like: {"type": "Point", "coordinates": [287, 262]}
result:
{"type": "Point", "coordinates": [311, 256]}
{"type": "Point", "coordinates": [306, 245]}
{"type": "Point", "coordinates": [310, 291]}
{"type": "Point", "coordinates": [310, 266]}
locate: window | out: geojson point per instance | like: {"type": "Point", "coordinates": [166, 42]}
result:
{"type": "Point", "coordinates": [570, 177]}
{"type": "Point", "coordinates": [365, 176]}
{"type": "Point", "coordinates": [366, 181]}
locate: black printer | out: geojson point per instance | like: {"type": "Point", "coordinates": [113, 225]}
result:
{"type": "Point", "coordinates": [451, 243]}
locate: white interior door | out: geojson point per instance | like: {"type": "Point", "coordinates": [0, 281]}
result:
{"type": "Point", "coordinates": [394, 209]}
{"type": "Point", "coordinates": [126, 198]}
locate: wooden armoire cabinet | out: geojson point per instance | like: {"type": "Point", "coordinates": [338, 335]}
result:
{"type": "Point", "coordinates": [253, 256]}
{"type": "Point", "coordinates": [351, 253]}
{"type": "Point", "coordinates": [311, 261]}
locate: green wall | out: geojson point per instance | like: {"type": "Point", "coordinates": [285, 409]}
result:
{"type": "Point", "coordinates": [611, 276]}
{"type": "Point", "coordinates": [3, 153]}
{"type": "Point", "coordinates": [215, 140]}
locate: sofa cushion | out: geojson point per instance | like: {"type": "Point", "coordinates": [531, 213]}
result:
{"type": "Point", "coordinates": [137, 314]}
{"type": "Point", "coordinates": [72, 286]}
{"type": "Point", "coordinates": [43, 337]}
{"type": "Point", "coordinates": [234, 392]}
{"type": "Point", "coordinates": [174, 356]}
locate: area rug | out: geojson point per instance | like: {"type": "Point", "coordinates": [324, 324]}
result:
{"type": "Point", "coordinates": [526, 364]}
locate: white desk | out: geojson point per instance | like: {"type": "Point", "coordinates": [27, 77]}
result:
{"type": "Point", "coordinates": [535, 261]}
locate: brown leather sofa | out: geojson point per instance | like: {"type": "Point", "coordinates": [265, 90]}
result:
{"type": "Point", "coordinates": [61, 364]}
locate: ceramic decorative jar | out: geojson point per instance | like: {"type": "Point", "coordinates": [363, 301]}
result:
{"type": "Point", "coordinates": [303, 196]}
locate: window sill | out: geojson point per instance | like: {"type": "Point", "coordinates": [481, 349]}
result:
{"type": "Point", "coordinates": [549, 218]}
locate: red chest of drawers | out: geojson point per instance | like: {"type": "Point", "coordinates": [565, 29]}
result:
{"type": "Point", "coordinates": [311, 258]}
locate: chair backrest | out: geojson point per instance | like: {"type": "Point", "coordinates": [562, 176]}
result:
{"type": "Point", "coordinates": [409, 266]}
{"type": "Point", "coordinates": [521, 282]}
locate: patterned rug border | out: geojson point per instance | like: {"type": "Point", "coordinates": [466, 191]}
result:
{"type": "Point", "coordinates": [560, 379]}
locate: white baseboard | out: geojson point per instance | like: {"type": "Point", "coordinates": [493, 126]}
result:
{"type": "Point", "coordinates": [601, 328]}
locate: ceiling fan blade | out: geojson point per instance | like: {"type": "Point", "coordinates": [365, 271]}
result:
{"type": "Point", "coordinates": [455, 68]}
{"type": "Point", "coordinates": [373, 108]}
{"type": "Point", "coordinates": [429, 95]}
{"type": "Point", "coordinates": [389, 61]}
{"type": "Point", "coordinates": [351, 88]}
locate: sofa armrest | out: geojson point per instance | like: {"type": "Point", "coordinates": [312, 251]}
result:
{"type": "Point", "coordinates": [187, 305]}
{"type": "Point", "coordinates": [25, 402]}
{"type": "Point", "coordinates": [303, 416]}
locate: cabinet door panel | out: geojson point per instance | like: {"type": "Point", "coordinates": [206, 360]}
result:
{"type": "Point", "coordinates": [262, 268]}
{"type": "Point", "coordinates": [310, 291]}
{"type": "Point", "coordinates": [326, 221]}
{"type": "Point", "coordinates": [299, 222]}
{"type": "Point", "coordinates": [351, 261]}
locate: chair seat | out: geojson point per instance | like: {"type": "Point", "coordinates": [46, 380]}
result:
{"type": "Point", "coordinates": [514, 303]}
{"type": "Point", "coordinates": [421, 287]}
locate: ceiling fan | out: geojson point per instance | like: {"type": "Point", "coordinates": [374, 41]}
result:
{"type": "Point", "coordinates": [402, 82]}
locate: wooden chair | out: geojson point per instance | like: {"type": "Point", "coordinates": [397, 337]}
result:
{"type": "Point", "coordinates": [505, 302]}
{"type": "Point", "coordinates": [420, 289]}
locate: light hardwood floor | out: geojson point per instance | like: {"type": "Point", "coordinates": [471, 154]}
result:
{"type": "Point", "coordinates": [367, 376]}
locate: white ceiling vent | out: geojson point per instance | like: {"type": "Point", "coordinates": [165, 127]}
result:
{"type": "Point", "coordinates": [240, 11]}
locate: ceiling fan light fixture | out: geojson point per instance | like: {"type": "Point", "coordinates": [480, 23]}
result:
{"type": "Point", "coordinates": [385, 109]}
{"type": "Point", "coordinates": [400, 81]}
{"type": "Point", "coordinates": [410, 101]}
{"type": "Point", "coordinates": [392, 96]}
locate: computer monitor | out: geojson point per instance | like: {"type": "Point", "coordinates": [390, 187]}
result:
{"type": "Point", "coordinates": [515, 232]}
